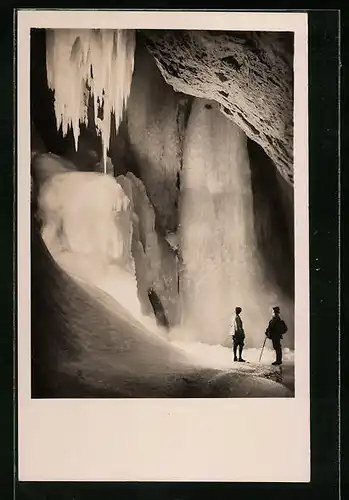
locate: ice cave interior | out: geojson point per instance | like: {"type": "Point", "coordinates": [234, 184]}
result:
{"type": "Point", "coordinates": [162, 177]}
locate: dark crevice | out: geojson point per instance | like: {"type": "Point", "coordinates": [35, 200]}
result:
{"type": "Point", "coordinates": [249, 43]}
{"type": "Point", "coordinates": [273, 218]}
{"type": "Point", "coordinates": [171, 68]}
{"type": "Point", "coordinates": [274, 81]}
{"type": "Point", "coordinates": [44, 119]}
{"type": "Point", "coordinates": [41, 97]}
{"type": "Point", "coordinates": [282, 147]}
{"type": "Point", "coordinates": [158, 308]}
{"type": "Point", "coordinates": [222, 77]}
{"type": "Point", "coordinates": [187, 110]}
{"type": "Point", "coordinates": [183, 113]}
{"type": "Point", "coordinates": [250, 126]}
{"type": "Point", "coordinates": [269, 139]}
{"type": "Point", "coordinates": [231, 61]}
{"type": "Point", "coordinates": [178, 181]}
{"type": "Point", "coordinates": [121, 150]}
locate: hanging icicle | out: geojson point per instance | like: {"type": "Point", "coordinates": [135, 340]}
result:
{"type": "Point", "coordinates": [96, 63]}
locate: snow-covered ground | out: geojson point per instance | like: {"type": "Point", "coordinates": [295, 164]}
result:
{"type": "Point", "coordinates": [217, 356]}
{"type": "Point", "coordinates": [221, 358]}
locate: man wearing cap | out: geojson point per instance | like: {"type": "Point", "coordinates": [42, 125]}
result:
{"type": "Point", "coordinates": [275, 330]}
{"type": "Point", "coordinates": [238, 335]}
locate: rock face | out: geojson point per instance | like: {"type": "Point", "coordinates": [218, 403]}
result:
{"type": "Point", "coordinates": [155, 130]}
{"type": "Point", "coordinates": [249, 74]}
{"type": "Point", "coordinates": [152, 138]}
{"type": "Point", "coordinates": [273, 219]}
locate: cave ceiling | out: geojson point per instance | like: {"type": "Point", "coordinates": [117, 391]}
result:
{"type": "Point", "coordinates": [250, 75]}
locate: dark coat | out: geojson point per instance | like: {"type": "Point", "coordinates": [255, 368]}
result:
{"type": "Point", "coordinates": [274, 330]}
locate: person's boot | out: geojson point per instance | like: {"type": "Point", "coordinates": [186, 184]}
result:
{"type": "Point", "coordinates": [277, 363]}
{"type": "Point", "coordinates": [240, 357]}
{"type": "Point", "coordinates": [279, 357]}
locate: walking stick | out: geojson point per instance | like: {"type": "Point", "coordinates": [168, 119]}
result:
{"type": "Point", "coordinates": [260, 357]}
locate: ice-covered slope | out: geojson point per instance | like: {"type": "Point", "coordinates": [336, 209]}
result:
{"type": "Point", "coordinates": [84, 344]}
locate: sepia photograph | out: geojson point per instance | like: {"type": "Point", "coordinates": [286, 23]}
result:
{"type": "Point", "coordinates": [162, 213]}
{"type": "Point", "coordinates": [163, 294]}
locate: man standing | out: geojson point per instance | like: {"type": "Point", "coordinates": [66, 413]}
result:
{"type": "Point", "coordinates": [275, 330]}
{"type": "Point", "coordinates": [238, 335]}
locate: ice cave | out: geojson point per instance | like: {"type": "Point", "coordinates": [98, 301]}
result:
{"type": "Point", "coordinates": [162, 197]}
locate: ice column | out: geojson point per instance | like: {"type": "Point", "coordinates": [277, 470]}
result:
{"type": "Point", "coordinates": [221, 265]}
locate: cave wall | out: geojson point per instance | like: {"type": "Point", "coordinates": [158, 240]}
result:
{"type": "Point", "coordinates": [273, 220]}
{"type": "Point", "coordinates": [155, 124]}
{"type": "Point", "coordinates": [155, 127]}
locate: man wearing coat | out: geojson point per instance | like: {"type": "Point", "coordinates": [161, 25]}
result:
{"type": "Point", "coordinates": [275, 330]}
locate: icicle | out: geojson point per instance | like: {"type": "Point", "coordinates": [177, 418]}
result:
{"type": "Point", "coordinates": [94, 62]}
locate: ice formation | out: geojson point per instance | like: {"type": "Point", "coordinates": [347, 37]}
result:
{"type": "Point", "coordinates": [81, 213]}
{"type": "Point", "coordinates": [97, 63]}
{"type": "Point", "coordinates": [92, 240]}
{"type": "Point", "coordinates": [222, 268]}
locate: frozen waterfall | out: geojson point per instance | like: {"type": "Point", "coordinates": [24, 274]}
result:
{"type": "Point", "coordinates": [97, 63]}
{"type": "Point", "coordinates": [221, 264]}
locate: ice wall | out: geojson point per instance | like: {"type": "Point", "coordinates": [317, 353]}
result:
{"type": "Point", "coordinates": [80, 212]}
{"type": "Point", "coordinates": [87, 225]}
{"type": "Point", "coordinates": [221, 263]}
{"type": "Point", "coordinates": [83, 63]}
